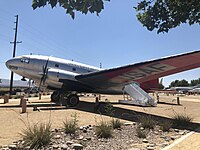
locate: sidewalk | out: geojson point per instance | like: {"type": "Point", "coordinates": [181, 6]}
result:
{"type": "Point", "coordinates": [191, 142]}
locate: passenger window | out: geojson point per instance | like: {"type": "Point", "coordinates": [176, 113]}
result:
{"type": "Point", "coordinates": [74, 69]}
{"type": "Point", "coordinates": [56, 65]}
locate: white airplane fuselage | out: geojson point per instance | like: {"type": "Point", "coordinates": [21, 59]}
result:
{"type": "Point", "coordinates": [32, 67]}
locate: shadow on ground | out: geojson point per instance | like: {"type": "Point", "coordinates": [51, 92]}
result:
{"type": "Point", "coordinates": [121, 113]}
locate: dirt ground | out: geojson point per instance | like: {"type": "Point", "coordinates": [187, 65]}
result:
{"type": "Point", "coordinates": [12, 121]}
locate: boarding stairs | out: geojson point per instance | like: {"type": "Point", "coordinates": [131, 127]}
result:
{"type": "Point", "coordinates": [137, 96]}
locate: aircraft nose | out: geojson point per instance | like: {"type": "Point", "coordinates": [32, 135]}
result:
{"type": "Point", "coordinates": [8, 63]}
{"type": "Point", "coordinates": [12, 64]}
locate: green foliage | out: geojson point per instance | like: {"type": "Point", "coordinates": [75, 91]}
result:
{"type": "Point", "coordinates": [179, 83]}
{"type": "Point", "coordinates": [153, 14]}
{"type": "Point", "coordinates": [167, 14]}
{"type": "Point", "coordinates": [37, 135]}
{"type": "Point", "coordinates": [147, 122]}
{"type": "Point", "coordinates": [165, 126]}
{"type": "Point", "coordinates": [70, 126]}
{"type": "Point", "coordinates": [83, 6]}
{"type": "Point", "coordinates": [104, 130]}
{"type": "Point", "coordinates": [116, 123]}
{"type": "Point", "coordinates": [109, 109]}
{"type": "Point", "coordinates": [195, 82]}
{"type": "Point", "coordinates": [141, 133]}
{"type": "Point", "coordinates": [181, 120]}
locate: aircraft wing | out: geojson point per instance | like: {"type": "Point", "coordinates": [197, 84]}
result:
{"type": "Point", "coordinates": [141, 72]}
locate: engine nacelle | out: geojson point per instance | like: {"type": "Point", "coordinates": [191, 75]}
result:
{"type": "Point", "coordinates": [56, 74]}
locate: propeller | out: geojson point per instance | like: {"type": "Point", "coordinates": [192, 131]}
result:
{"type": "Point", "coordinates": [44, 73]}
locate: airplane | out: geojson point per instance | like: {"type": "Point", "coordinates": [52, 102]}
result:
{"type": "Point", "coordinates": [184, 90]}
{"type": "Point", "coordinates": [68, 78]}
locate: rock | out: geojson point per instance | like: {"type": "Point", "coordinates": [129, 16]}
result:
{"type": "Point", "coordinates": [57, 137]}
{"type": "Point", "coordinates": [181, 133]}
{"type": "Point", "coordinates": [55, 146]}
{"type": "Point", "coordinates": [64, 146]}
{"type": "Point", "coordinates": [164, 144]}
{"type": "Point", "coordinates": [135, 149]}
{"type": "Point", "coordinates": [159, 130]}
{"type": "Point", "coordinates": [150, 148]}
{"type": "Point", "coordinates": [176, 130]}
{"type": "Point", "coordinates": [80, 137]}
{"type": "Point", "coordinates": [12, 146]}
{"type": "Point", "coordinates": [77, 146]}
{"type": "Point", "coordinates": [84, 130]}
{"type": "Point", "coordinates": [27, 148]}
{"type": "Point", "coordinates": [84, 139]}
{"type": "Point", "coordinates": [81, 128]}
{"type": "Point", "coordinates": [128, 123]}
{"type": "Point", "coordinates": [156, 132]}
{"type": "Point", "coordinates": [141, 128]}
{"type": "Point", "coordinates": [163, 136]}
{"type": "Point", "coordinates": [69, 142]}
{"type": "Point", "coordinates": [90, 128]}
{"type": "Point", "coordinates": [174, 137]}
{"type": "Point", "coordinates": [88, 138]}
{"type": "Point", "coordinates": [55, 130]}
{"type": "Point", "coordinates": [145, 141]}
{"type": "Point", "coordinates": [167, 139]}
{"type": "Point", "coordinates": [151, 145]}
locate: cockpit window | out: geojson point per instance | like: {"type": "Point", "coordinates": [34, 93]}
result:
{"type": "Point", "coordinates": [25, 60]}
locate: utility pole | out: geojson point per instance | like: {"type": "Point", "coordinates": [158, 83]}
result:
{"type": "Point", "coordinates": [14, 51]}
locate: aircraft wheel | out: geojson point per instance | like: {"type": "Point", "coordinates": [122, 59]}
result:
{"type": "Point", "coordinates": [55, 96]}
{"type": "Point", "coordinates": [72, 100]}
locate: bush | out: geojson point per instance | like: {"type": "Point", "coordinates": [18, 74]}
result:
{"type": "Point", "coordinates": [37, 135]}
{"type": "Point", "coordinates": [141, 133]}
{"type": "Point", "coordinates": [181, 120]}
{"type": "Point", "coordinates": [165, 126]}
{"type": "Point", "coordinates": [71, 126]}
{"type": "Point", "coordinates": [116, 123]}
{"type": "Point", "coordinates": [104, 130]}
{"type": "Point", "coordinates": [147, 122]}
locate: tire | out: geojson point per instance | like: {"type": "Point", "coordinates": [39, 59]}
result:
{"type": "Point", "coordinates": [72, 100]}
{"type": "Point", "coordinates": [55, 96]}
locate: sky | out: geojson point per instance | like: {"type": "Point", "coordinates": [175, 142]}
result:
{"type": "Point", "coordinates": [114, 38]}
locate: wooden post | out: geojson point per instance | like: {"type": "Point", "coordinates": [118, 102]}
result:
{"type": "Point", "coordinates": [6, 98]}
{"type": "Point", "coordinates": [178, 100]}
{"type": "Point", "coordinates": [23, 104]}
{"type": "Point", "coordinates": [40, 95]}
{"type": "Point", "coordinates": [158, 98]}
{"type": "Point", "coordinates": [96, 106]}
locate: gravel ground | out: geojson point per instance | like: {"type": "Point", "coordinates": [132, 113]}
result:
{"type": "Point", "coordinates": [123, 138]}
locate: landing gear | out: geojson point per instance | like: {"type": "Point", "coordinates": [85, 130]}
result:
{"type": "Point", "coordinates": [72, 100]}
{"type": "Point", "coordinates": [68, 98]}
{"type": "Point", "coordinates": [55, 96]}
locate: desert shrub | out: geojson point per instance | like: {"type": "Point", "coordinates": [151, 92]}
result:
{"type": "Point", "coordinates": [141, 133]}
{"type": "Point", "coordinates": [37, 135]}
{"type": "Point", "coordinates": [180, 120]}
{"type": "Point", "coordinates": [104, 130]}
{"type": "Point", "coordinates": [147, 122]}
{"type": "Point", "coordinates": [165, 126]}
{"type": "Point", "coordinates": [116, 123]}
{"type": "Point", "coordinates": [70, 126]}
{"type": "Point", "coordinates": [109, 108]}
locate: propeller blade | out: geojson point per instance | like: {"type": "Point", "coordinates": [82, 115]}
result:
{"type": "Point", "coordinates": [44, 75]}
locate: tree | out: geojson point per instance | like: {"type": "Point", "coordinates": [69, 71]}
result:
{"type": "Point", "coordinates": [162, 15]}
{"type": "Point", "coordinates": [179, 83]}
{"type": "Point", "coordinates": [195, 82]}
{"type": "Point", "coordinates": [166, 14]}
